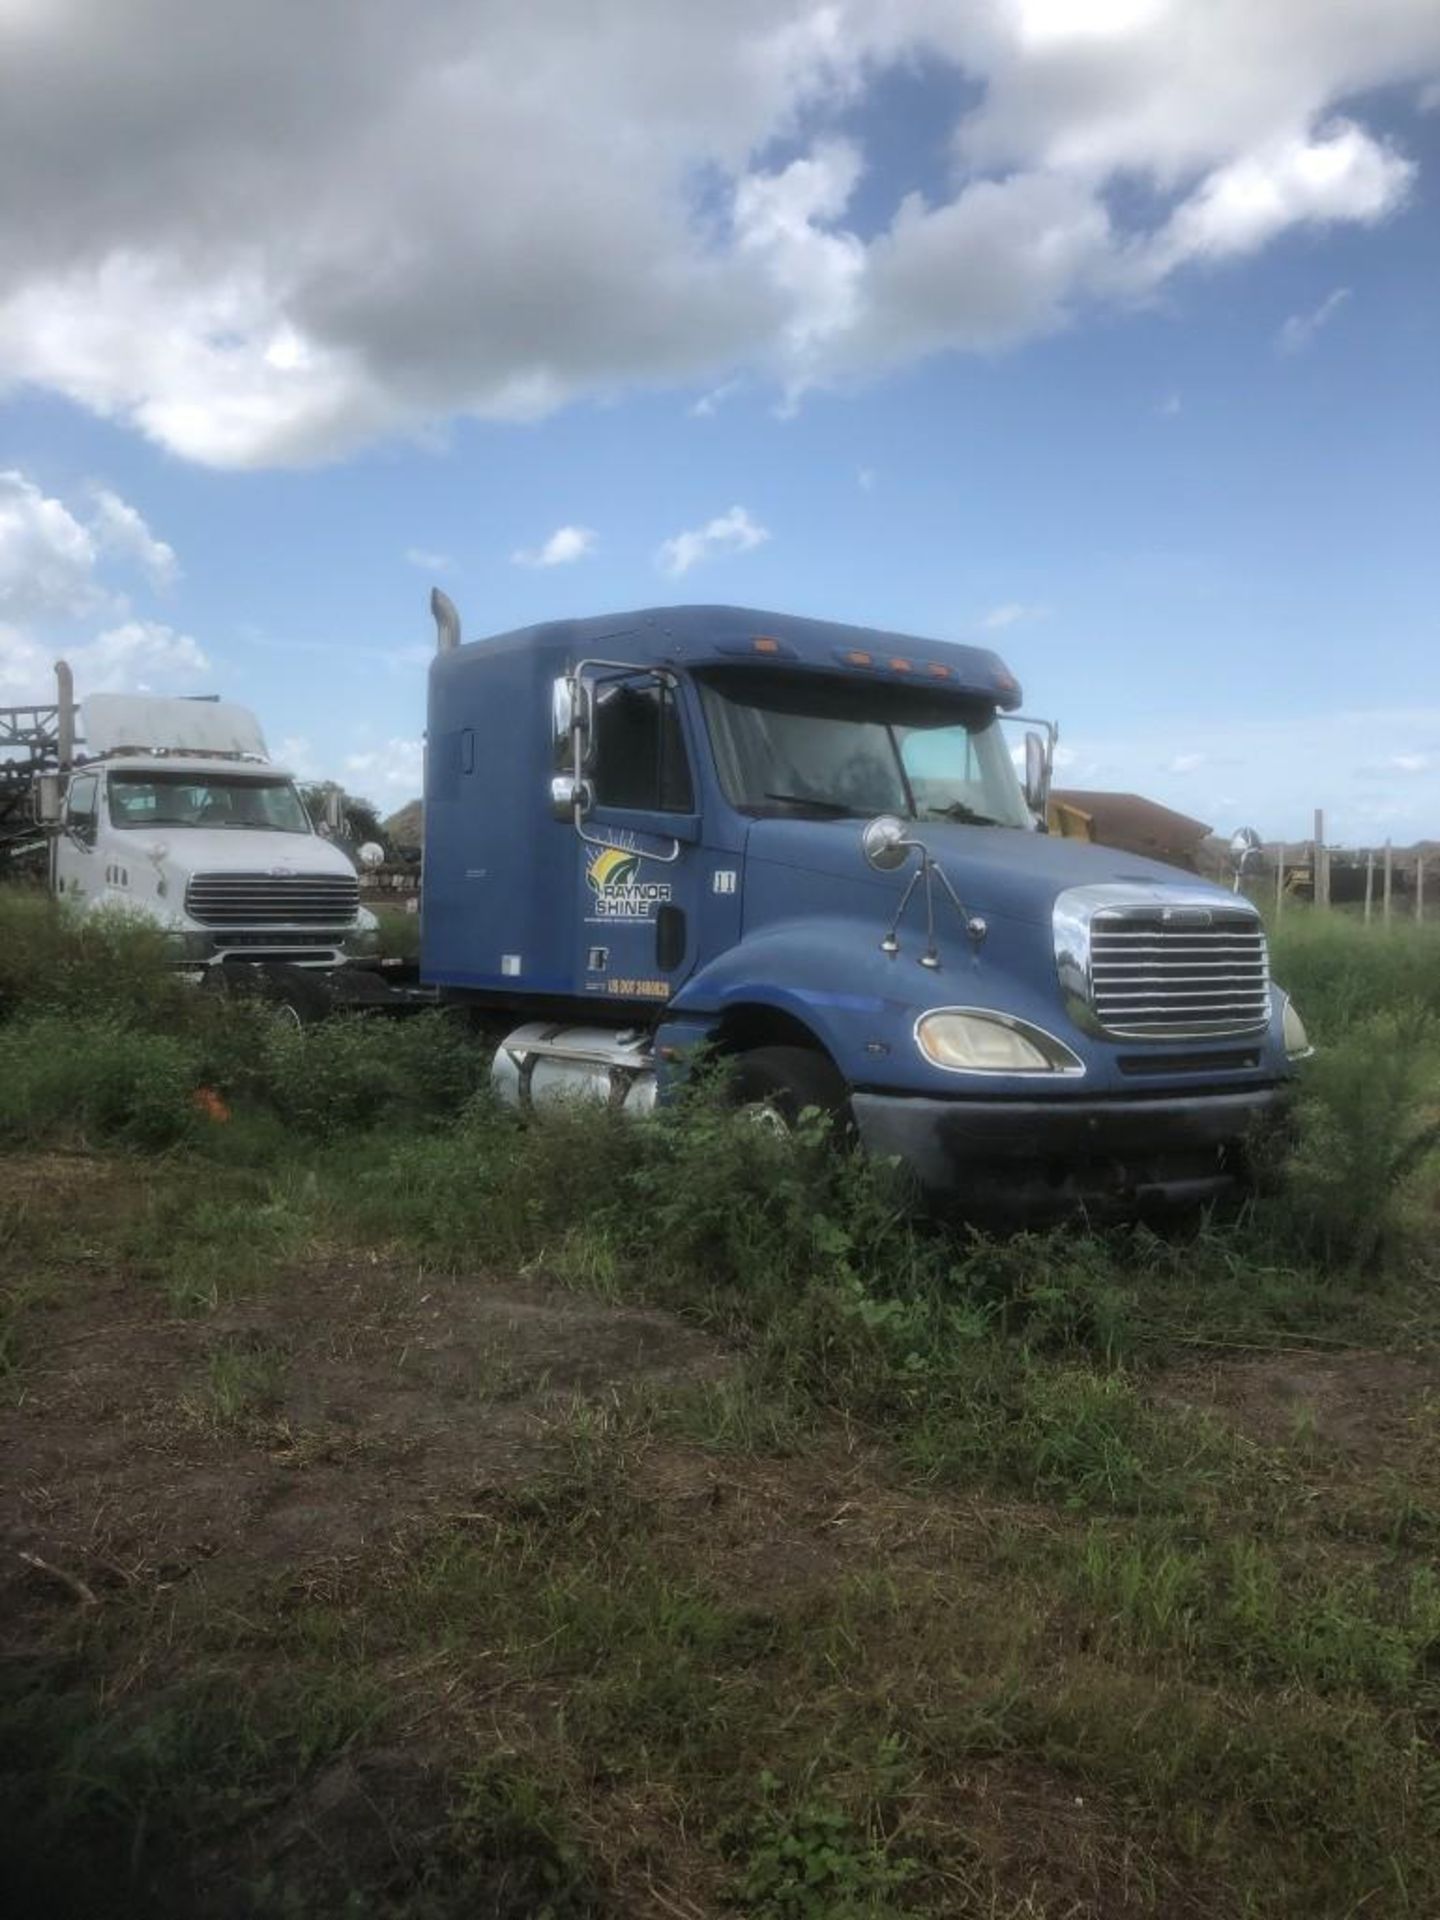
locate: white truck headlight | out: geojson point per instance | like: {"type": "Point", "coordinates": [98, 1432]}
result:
{"type": "Point", "coordinates": [976, 1040]}
{"type": "Point", "coordinates": [1297, 1040]}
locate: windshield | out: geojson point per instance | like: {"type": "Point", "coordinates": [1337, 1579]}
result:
{"type": "Point", "coordinates": [839, 749]}
{"type": "Point", "coordinates": [206, 800]}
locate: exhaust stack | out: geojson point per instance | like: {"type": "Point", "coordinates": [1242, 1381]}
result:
{"type": "Point", "coordinates": [447, 621]}
{"type": "Point", "coordinates": [65, 729]}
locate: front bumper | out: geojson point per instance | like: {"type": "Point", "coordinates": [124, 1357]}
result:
{"type": "Point", "coordinates": [1025, 1162]}
{"type": "Point", "coordinates": [290, 946]}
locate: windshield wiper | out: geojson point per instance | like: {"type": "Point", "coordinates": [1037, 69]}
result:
{"type": "Point", "coordinates": [836, 808]}
{"type": "Point", "coordinates": [967, 816]}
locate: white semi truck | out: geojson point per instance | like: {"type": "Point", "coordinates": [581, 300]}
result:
{"type": "Point", "coordinates": [172, 810]}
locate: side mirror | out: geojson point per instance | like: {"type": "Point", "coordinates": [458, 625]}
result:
{"type": "Point", "coordinates": [885, 843]}
{"type": "Point", "coordinates": [48, 801]}
{"type": "Point", "coordinates": [572, 715]}
{"type": "Point", "coordinates": [1037, 774]}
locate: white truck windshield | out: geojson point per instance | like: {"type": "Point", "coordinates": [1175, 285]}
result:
{"type": "Point", "coordinates": [838, 749]}
{"type": "Point", "coordinates": [183, 799]}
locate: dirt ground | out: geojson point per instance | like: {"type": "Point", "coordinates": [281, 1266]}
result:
{"type": "Point", "coordinates": [396, 1396]}
{"type": "Point", "coordinates": [352, 1401]}
{"type": "Point", "coordinates": [1360, 1407]}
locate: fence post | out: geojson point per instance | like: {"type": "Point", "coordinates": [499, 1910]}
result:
{"type": "Point", "coordinates": [1369, 881]}
{"type": "Point", "coordinates": [1389, 865]}
{"type": "Point", "coordinates": [1420, 887]}
{"type": "Point", "coordinates": [1321, 863]}
{"type": "Point", "coordinates": [1279, 878]}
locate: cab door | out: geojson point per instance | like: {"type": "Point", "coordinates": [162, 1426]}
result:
{"type": "Point", "coordinates": [77, 863]}
{"type": "Point", "coordinates": [642, 868]}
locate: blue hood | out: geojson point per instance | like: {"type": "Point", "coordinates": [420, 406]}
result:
{"type": "Point", "coordinates": [999, 872]}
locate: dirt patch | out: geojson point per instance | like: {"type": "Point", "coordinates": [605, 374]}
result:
{"type": "Point", "coordinates": [387, 1397]}
{"type": "Point", "coordinates": [1359, 1405]}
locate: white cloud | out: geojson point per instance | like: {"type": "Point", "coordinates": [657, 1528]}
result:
{"type": "Point", "coordinates": [565, 546]}
{"type": "Point", "coordinates": [1010, 613]}
{"type": "Point", "coordinates": [1301, 328]}
{"type": "Point", "coordinates": [1343, 173]}
{"type": "Point", "coordinates": [55, 583]}
{"type": "Point", "coordinates": [47, 557]}
{"type": "Point", "coordinates": [1414, 762]}
{"type": "Point", "coordinates": [1187, 763]}
{"type": "Point", "coordinates": [709, 404]}
{"type": "Point", "coordinates": [120, 530]}
{"type": "Point", "coordinates": [865, 479]}
{"type": "Point", "coordinates": [52, 561]}
{"type": "Point", "coordinates": [428, 562]}
{"type": "Point", "coordinates": [509, 207]}
{"type": "Point", "coordinates": [392, 770]}
{"type": "Point", "coordinates": [137, 656]}
{"type": "Point", "coordinates": [732, 532]}
{"type": "Point", "coordinates": [297, 752]}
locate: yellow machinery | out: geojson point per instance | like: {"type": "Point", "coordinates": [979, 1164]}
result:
{"type": "Point", "coordinates": [1072, 823]}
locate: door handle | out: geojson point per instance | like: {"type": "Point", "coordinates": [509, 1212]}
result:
{"type": "Point", "coordinates": [669, 937]}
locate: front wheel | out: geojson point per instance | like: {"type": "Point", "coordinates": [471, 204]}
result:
{"type": "Point", "coordinates": [777, 1084]}
{"type": "Point", "coordinates": [294, 993]}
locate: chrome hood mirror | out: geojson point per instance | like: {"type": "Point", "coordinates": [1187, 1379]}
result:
{"type": "Point", "coordinates": [886, 843]}
{"type": "Point", "coordinates": [1245, 847]}
{"type": "Point", "coordinates": [1245, 844]}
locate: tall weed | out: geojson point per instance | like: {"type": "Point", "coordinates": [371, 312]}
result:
{"type": "Point", "coordinates": [1369, 1119]}
{"type": "Point", "coordinates": [81, 1080]}
{"type": "Point", "coordinates": [54, 959]}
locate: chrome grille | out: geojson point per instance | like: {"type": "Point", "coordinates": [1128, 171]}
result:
{"type": "Point", "coordinates": [273, 899]}
{"type": "Point", "coordinates": [1173, 972]}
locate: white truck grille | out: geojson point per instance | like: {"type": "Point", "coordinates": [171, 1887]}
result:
{"type": "Point", "coordinates": [273, 899]}
{"type": "Point", "coordinates": [1178, 972]}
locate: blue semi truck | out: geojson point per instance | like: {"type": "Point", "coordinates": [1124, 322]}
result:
{"type": "Point", "coordinates": [806, 846]}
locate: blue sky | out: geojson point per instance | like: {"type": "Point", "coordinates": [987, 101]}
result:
{"type": "Point", "coordinates": [1140, 384]}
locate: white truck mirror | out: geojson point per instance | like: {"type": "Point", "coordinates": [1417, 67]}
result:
{"type": "Point", "coordinates": [49, 802]}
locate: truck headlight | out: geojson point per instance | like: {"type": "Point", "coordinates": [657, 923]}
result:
{"type": "Point", "coordinates": [1297, 1040]}
{"type": "Point", "coordinates": [976, 1040]}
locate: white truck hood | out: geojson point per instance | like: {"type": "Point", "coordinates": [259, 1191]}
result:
{"type": "Point", "coordinates": [186, 850]}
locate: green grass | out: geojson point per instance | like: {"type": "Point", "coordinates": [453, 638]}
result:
{"type": "Point", "coordinates": [938, 1598]}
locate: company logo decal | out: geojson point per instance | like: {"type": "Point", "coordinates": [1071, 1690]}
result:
{"type": "Point", "coordinates": [620, 893]}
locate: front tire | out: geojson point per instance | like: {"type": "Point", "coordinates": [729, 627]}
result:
{"type": "Point", "coordinates": [782, 1082]}
{"type": "Point", "coordinates": [292, 992]}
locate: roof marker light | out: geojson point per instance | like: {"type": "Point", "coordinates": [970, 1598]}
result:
{"type": "Point", "coordinates": [763, 643]}
{"type": "Point", "coordinates": [899, 666]}
{"type": "Point", "coordinates": [937, 671]}
{"type": "Point", "coordinates": [857, 657]}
